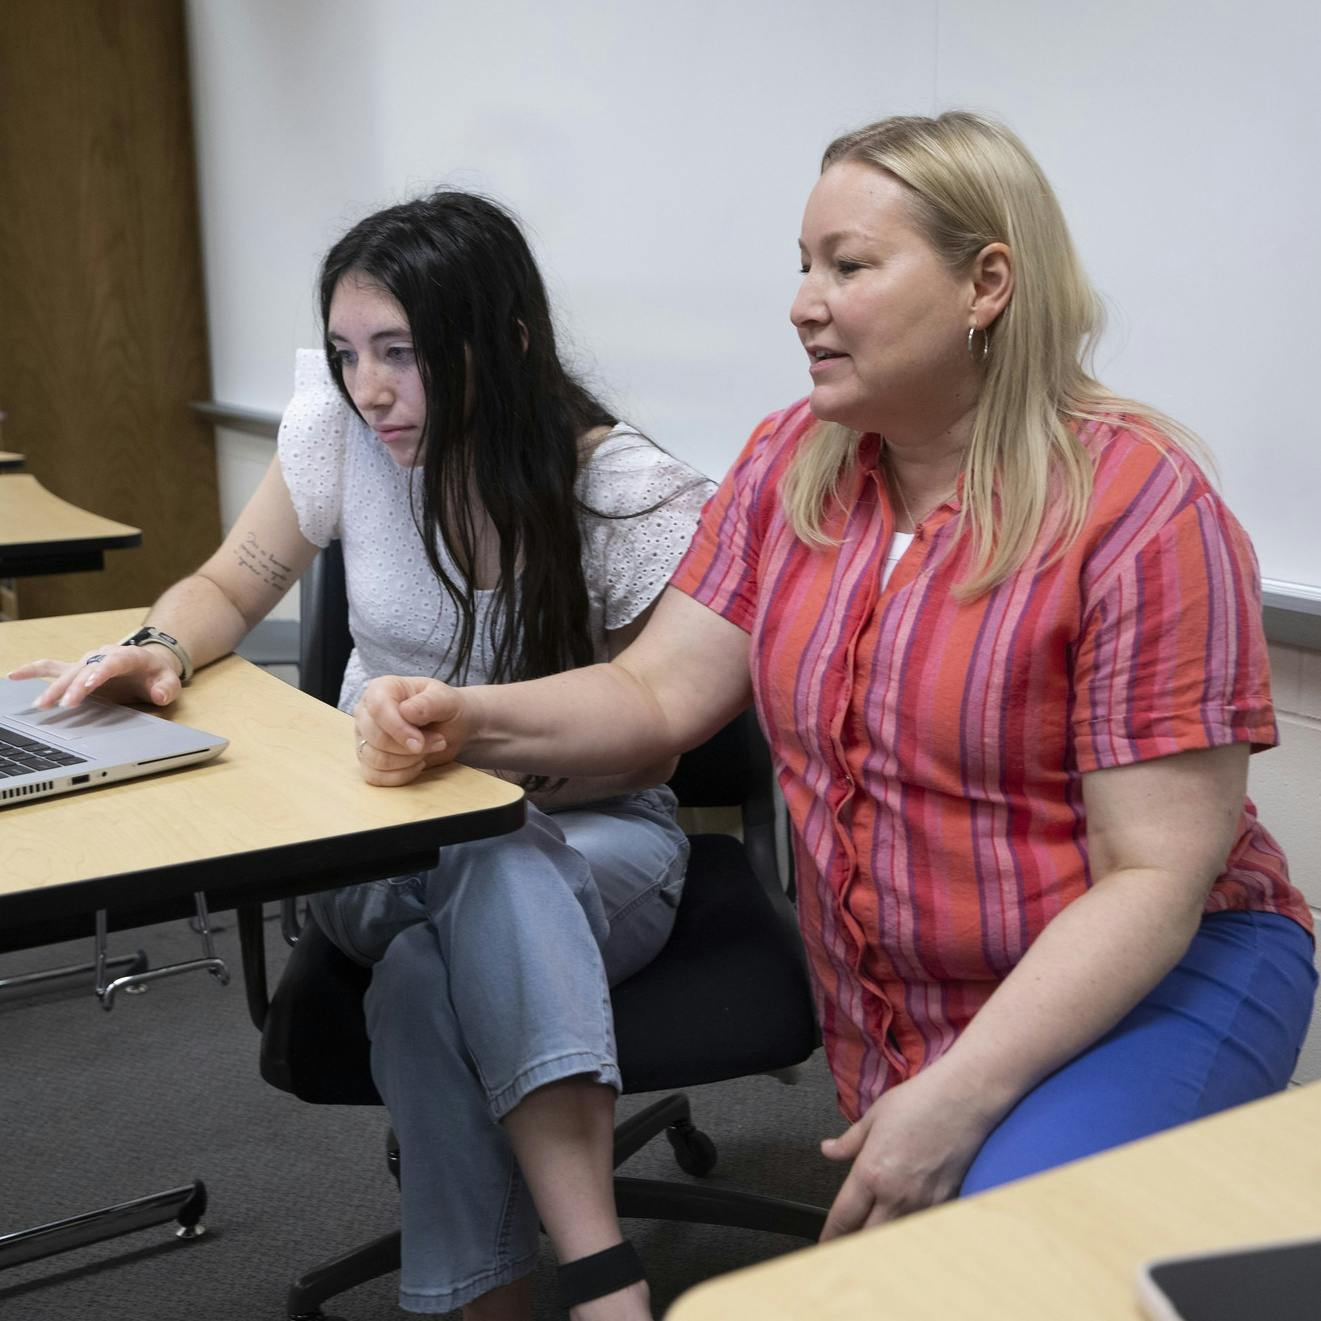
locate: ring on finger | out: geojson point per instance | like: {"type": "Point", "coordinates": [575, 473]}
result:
{"type": "Point", "coordinates": [362, 743]}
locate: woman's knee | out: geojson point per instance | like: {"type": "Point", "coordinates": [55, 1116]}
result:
{"type": "Point", "coordinates": [409, 984]}
{"type": "Point", "coordinates": [503, 884]}
{"type": "Point", "coordinates": [638, 857]}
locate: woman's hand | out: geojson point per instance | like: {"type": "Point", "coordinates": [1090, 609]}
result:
{"type": "Point", "coordinates": [909, 1151]}
{"type": "Point", "coordinates": [122, 674]}
{"type": "Point", "coordinates": [404, 725]}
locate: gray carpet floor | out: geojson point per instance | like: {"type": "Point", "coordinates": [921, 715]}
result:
{"type": "Point", "coordinates": [98, 1107]}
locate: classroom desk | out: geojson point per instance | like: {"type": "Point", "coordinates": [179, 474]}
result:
{"type": "Point", "coordinates": [1067, 1243]}
{"type": "Point", "coordinates": [40, 533]}
{"type": "Point", "coordinates": [9, 460]}
{"type": "Point", "coordinates": [281, 811]}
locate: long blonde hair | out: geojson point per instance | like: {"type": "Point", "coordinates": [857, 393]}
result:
{"type": "Point", "coordinates": [972, 182]}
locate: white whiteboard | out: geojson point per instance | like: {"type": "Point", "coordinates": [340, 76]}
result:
{"type": "Point", "coordinates": [660, 155]}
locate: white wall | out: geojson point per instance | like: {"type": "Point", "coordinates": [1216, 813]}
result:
{"type": "Point", "coordinates": [660, 155]}
{"type": "Point", "coordinates": [1184, 139]}
{"type": "Point", "coordinates": [660, 181]}
{"type": "Point", "coordinates": [1285, 783]}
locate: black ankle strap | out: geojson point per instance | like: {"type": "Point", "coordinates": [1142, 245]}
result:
{"type": "Point", "coordinates": [602, 1273]}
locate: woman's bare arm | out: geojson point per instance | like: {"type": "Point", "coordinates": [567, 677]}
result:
{"type": "Point", "coordinates": [683, 678]}
{"type": "Point", "coordinates": [1158, 833]}
{"type": "Point", "coordinates": [579, 789]}
{"type": "Point", "coordinates": [208, 612]}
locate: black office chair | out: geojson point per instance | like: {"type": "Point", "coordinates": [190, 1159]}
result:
{"type": "Point", "coordinates": [728, 996]}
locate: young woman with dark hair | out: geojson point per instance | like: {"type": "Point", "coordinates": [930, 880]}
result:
{"type": "Point", "coordinates": [497, 524]}
{"type": "Point", "coordinates": [499, 483]}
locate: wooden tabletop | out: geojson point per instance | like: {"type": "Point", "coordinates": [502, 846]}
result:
{"type": "Point", "coordinates": [1064, 1244]}
{"type": "Point", "coordinates": [284, 799]}
{"type": "Point", "coordinates": [10, 459]}
{"type": "Point", "coordinates": [34, 521]}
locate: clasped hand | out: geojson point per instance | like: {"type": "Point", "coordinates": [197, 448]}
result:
{"type": "Point", "coordinates": [909, 1151]}
{"type": "Point", "coordinates": [404, 725]}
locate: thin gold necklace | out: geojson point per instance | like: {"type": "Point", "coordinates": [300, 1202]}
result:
{"type": "Point", "coordinates": [899, 491]}
{"type": "Point", "coordinates": [897, 487]}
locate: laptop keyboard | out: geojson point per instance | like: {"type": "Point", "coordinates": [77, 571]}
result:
{"type": "Point", "coordinates": [20, 755]}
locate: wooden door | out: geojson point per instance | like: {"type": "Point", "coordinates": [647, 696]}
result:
{"type": "Point", "coordinates": [102, 320]}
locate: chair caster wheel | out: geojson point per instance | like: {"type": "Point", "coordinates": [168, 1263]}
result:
{"type": "Point", "coordinates": [694, 1152]}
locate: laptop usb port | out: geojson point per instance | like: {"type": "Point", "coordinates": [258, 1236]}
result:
{"type": "Point", "coordinates": [80, 779]}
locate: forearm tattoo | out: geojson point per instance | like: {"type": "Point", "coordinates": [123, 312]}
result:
{"type": "Point", "coordinates": [262, 564]}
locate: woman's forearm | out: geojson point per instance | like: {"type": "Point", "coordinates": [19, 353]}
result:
{"type": "Point", "coordinates": [1088, 968]}
{"type": "Point", "coordinates": [684, 677]}
{"type": "Point", "coordinates": [260, 559]}
{"type": "Point", "coordinates": [597, 721]}
{"type": "Point", "coordinates": [1158, 834]}
{"type": "Point", "coordinates": [199, 614]}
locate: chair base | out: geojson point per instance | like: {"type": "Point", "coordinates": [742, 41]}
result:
{"type": "Point", "coordinates": [656, 1199]}
{"type": "Point", "coordinates": [186, 1205]}
{"type": "Point", "coordinates": [340, 1274]}
{"type": "Point", "coordinates": [642, 1199]}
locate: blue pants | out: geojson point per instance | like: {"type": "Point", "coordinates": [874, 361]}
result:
{"type": "Point", "coordinates": [490, 978]}
{"type": "Point", "coordinates": [1224, 1027]}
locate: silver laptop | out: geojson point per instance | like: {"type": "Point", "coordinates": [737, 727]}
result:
{"type": "Point", "coordinates": [56, 751]}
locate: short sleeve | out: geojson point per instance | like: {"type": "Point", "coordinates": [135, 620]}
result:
{"type": "Point", "coordinates": [641, 506]}
{"type": "Point", "coordinates": [313, 447]}
{"type": "Point", "coordinates": [720, 568]}
{"type": "Point", "coordinates": [1173, 653]}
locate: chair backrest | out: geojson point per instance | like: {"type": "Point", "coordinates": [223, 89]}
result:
{"type": "Point", "coordinates": [733, 769]}
{"type": "Point", "coordinates": [324, 638]}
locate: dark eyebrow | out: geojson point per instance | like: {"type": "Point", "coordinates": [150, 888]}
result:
{"type": "Point", "coordinates": [395, 332]}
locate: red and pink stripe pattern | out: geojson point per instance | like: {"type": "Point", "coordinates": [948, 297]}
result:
{"type": "Point", "coordinates": [931, 750]}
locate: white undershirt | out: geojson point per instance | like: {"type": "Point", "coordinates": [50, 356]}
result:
{"type": "Point", "coordinates": [899, 543]}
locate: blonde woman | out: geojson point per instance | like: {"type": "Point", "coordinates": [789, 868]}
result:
{"type": "Point", "coordinates": [1005, 641]}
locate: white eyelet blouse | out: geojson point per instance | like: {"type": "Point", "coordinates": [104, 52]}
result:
{"type": "Point", "coordinates": [344, 485]}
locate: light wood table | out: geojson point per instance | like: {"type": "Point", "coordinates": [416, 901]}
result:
{"type": "Point", "coordinates": [40, 533]}
{"type": "Point", "coordinates": [1065, 1244]}
{"type": "Point", "coordinates": [9, 460]}
{"type": "Point", "coordinates": [281, 811]}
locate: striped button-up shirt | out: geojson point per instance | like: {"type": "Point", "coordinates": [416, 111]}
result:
{"type": "Point", "coordinates": [931, 749]}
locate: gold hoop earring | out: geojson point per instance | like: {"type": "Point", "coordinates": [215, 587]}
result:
{"type": "Point", "coordinates": [986, 345]}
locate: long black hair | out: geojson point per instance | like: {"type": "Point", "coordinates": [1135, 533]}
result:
{"type": "Point", "coordinates": [504, 419]}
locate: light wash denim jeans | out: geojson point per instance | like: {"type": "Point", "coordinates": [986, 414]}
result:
{"type": "Point", "coordinates": [491, 977]}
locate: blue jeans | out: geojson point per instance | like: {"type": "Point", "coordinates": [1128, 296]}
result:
{"type": "Point", "coordinates": [1224, 1027]}
{"type": "Point", "coordinates": [491, 977]}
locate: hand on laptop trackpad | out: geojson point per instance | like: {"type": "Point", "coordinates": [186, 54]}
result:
{"type": "Point", "coordinates": [39, 749]}
{"type": "Point", "coordinates": [92, 717]}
